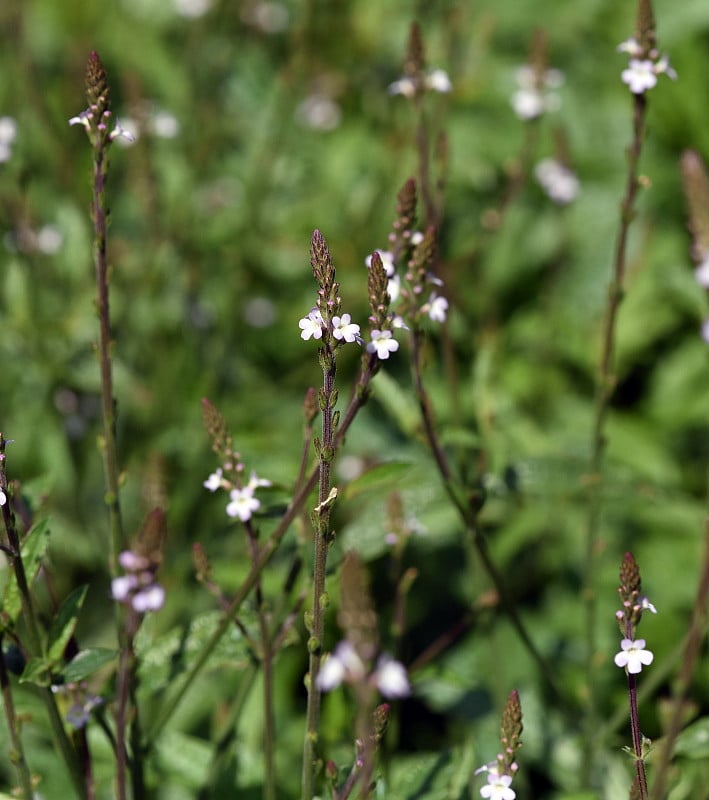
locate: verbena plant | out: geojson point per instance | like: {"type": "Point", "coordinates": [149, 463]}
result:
{"type": "Point", "coordinates": [313, 668]}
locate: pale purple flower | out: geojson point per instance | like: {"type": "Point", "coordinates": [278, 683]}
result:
{"type": "Point", "coordinates": [214, 481]}
{"type": "Point", "coordinates": [151, 598]}
{"type": "Point", "coordinates": [133, 562]}
{"type": "Point", "coordinates": [344, 328]}
{"type": "Point", "coordinates": [633, 655]}
{"type": "Point", "coordinates": [243, 503]}
{"type": "Point", "coordinates": [647, 605]}
{"type": "Point", "coordinates": [382, 344]}
{"type": "Point", "coordinates": [255, 482]}
{"type": "Point", "coordinates": [120, 132]}
{"type": "Point", "coordinates": [312, 325]}
{"type": "Point", "coordinates": [122, 586]}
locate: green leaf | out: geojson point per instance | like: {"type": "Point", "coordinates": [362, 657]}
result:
{"type": "Point", "coordinates": [383, 476]}
{"type": "Point", "coordinates": [87, 662]}
{"type": "Point", "coordinates": [693, 742]}
{"type": "Point", "coordinates": [185, 758]}
{"type": "Point", "coordinates": [33, 550]}
{"type": "Point", "coordinates": [37, 671]}
{"type": "Point", "coordinates": [65, 624]}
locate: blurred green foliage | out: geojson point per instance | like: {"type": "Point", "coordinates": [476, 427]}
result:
{"type": "Point", "coordinates": [281, 131]}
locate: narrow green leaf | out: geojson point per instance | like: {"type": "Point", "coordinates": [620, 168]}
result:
{"type": "Point", "coordinates": [65, 623]}
{"type": "Point", "coordinates": [33, 549]}
{"type": "Point", "coordinates": [87, 662]}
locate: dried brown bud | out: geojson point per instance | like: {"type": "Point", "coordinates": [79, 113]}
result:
{"type": "Point", "coordinates": [645, 34]}
{"type": "Point", "coordinates": [97, 91]}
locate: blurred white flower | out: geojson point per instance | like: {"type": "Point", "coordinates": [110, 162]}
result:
{"type": "Point", "coordinates": [192, 8]}
{"type": "Point", "coordinates": [558, 181]}
{"type": "Point", "coordinates": [535, 95]}
{"type": "Point", "coordinates": [49, 239]}
{"type": "Point", "coordinates": [319, 112]}
{"type": "Point", "coordinates": [267, 17]}
{"type": "Point", "coordinates": [701, 273]}
{"type": "Point", "coordinates": [8, 134]}
{"type": "Point", "coordinates": [163, 124]}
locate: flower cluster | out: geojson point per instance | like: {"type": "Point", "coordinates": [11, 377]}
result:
{"type": "Point", "coordinates": [87, 119]}
{"type": "Point", "coordinates": [343, 329]}
{"type": "Point", "coordinates": [346, 666]}
{"type": "Point", "coordinates": [501, 771]}
{"type": "Point", "coordinates": [632, 656]}
{"type": "Point", "coordinates": [557, 180]}
{"type": "Point", "coordinates": [536, 94]}
{"type": "Point", "coordinates": [138, 587]}
{"type": "Point", "coordinates": [644, 66]}
{"type": "Point", "coordinates": [435, 81]}
{"type": "Point", "coordinates": [83, 703]}
{"type": "Point", "coordinates": [242, 502]}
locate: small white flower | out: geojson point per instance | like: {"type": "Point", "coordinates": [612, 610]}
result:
{"type": "Point", "coordinates": [417, 237]}
{"type": "Point", "coordinates": [8, 130]}
{"type": "Point", "coordinates": [120, 132]}
{"type": "Point", "coordinates": [382, 344]}
{"type": "Point", "coordinates": [535, 96]}
{"type": "Point", "coordinates": [705, 330]}
{"type": "Point", "coordinates": [404, 86]}
{"type": "Point", "coordinates": [633, 655]}
{"type": "Point", "coordinates": [394, 288]}
{"type": "Point", "coordinates": [640, 75]}
{"type": "Point", "coordinates": [164, 124]}
{"type": "Point", "coordinates": [344, 328]}
{"type": "Point", "coordinates": [214, 481]}
{"type": "Point", "coordinates": [255, 482]}
{"type": "Point", "coordinates": [437, 308]}
{"type": "Point", "coordinates": [342, 665]}
{"type": "Point", "coordinates": [133, 562]}
{"type": "Point", "coordinates": [312, 325]}
{"type": "Point", "coordinates": [631, 47]}
{"type": "Point", "coordinates": [243, 503]}
{"type": "Point", "coordinates": [319, 112]}
{"type": "Point", "coordinates": [3, 498]}
{"type": "Point", "coordinates": [399, 322]}
{"type": "Point", "coordinates": [439, 81]}
{"type": "Point", "coordinates": [192, 8]}
{"type": "Point", "coordinates": [701, 273]}
{"type": "Point", "coordinates": [558, 181]}
{"type": "Point", "coordinates": [387, 261]}
{"type": "Point", "coordinates": [82, 119]}
{"type": "Point", "coordinates": [498, 787]}
{"type": "Point", "coordinates": [647, 605]}
{"type": "Point", "coordinates": [391, 678]}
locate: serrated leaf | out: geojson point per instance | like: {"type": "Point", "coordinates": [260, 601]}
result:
{"type": "Point", "coordinates": [87, 662]}
{"type": "Point", "coordinates": [33, 550]}
{"type": "Point", "coordinates": [64, 624]}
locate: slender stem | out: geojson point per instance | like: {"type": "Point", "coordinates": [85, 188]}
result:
{"type": "Point", "coordinates": [108, 440]}
{"type": "Point", "coordinates": [604, 393]}
{"type": "Point", "coordinates": [322, 543]}
{"type": "Point", "coordinates": [637, 737]}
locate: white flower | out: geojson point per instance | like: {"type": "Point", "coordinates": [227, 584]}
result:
{"type": "Point", "coordinates": [439, 81]}
{"type": "Point", "coordinates": [631, 47]}
{"type": "Point", "coordinates": [243, 503]}
{"type": "Point", "coordinates": [83, 119]}
{"type": "Point", "coordinates": [120, 132]}
{"type": "Point", "coordinates": [391, 678]}
{"type": "Point", "coordinates": [344, 328]}
{"type": "Point", "coordinates": [640, 75]}
{"type": "Point", "coordinates": [312, 325]}
{"type": "Point", "coordinates": [122, 586]}
{"type": "Point", "coordinates": [534, 96]}
{"type": "Point", "coordinates": [8, 130]}
{"type": "Point", "coordinates": [498, 786]}
{"type": "Point", "coordinates": [214, 481]}
{"type": "Point", "coordinates": [255, 482]}
{"type": "Point", "coordinates": [394, 288]}
{"type": "Point", "coordinates": [404, 86]}
{"type": "Point", "coordinates": [382, 344]}
{"type": "Point", "coordinates": [342, 665]}
{"type": "Point", "coordinates": [647, 605]}
{"type": "Point", "coordinates": [319, 112]}
{"type": "Point", "coordinates": [633, 655]}
{"type": "Point", "coordinates": [437, 308]}
{"type": "Point", "coordinates": [387, 261]}
{"type": "Point", "coordinates": [705, 330]}
{"type": "Point", "coordinates": [3, 498]}
{"type": "Point", "coordinates": [701, 273]}
{"type": "Point", "coordinates": [417, 237]}
{"type": "Point", "coordinates": [558, 181]}
{"type": "Point", "coordinates": [192, 8]}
